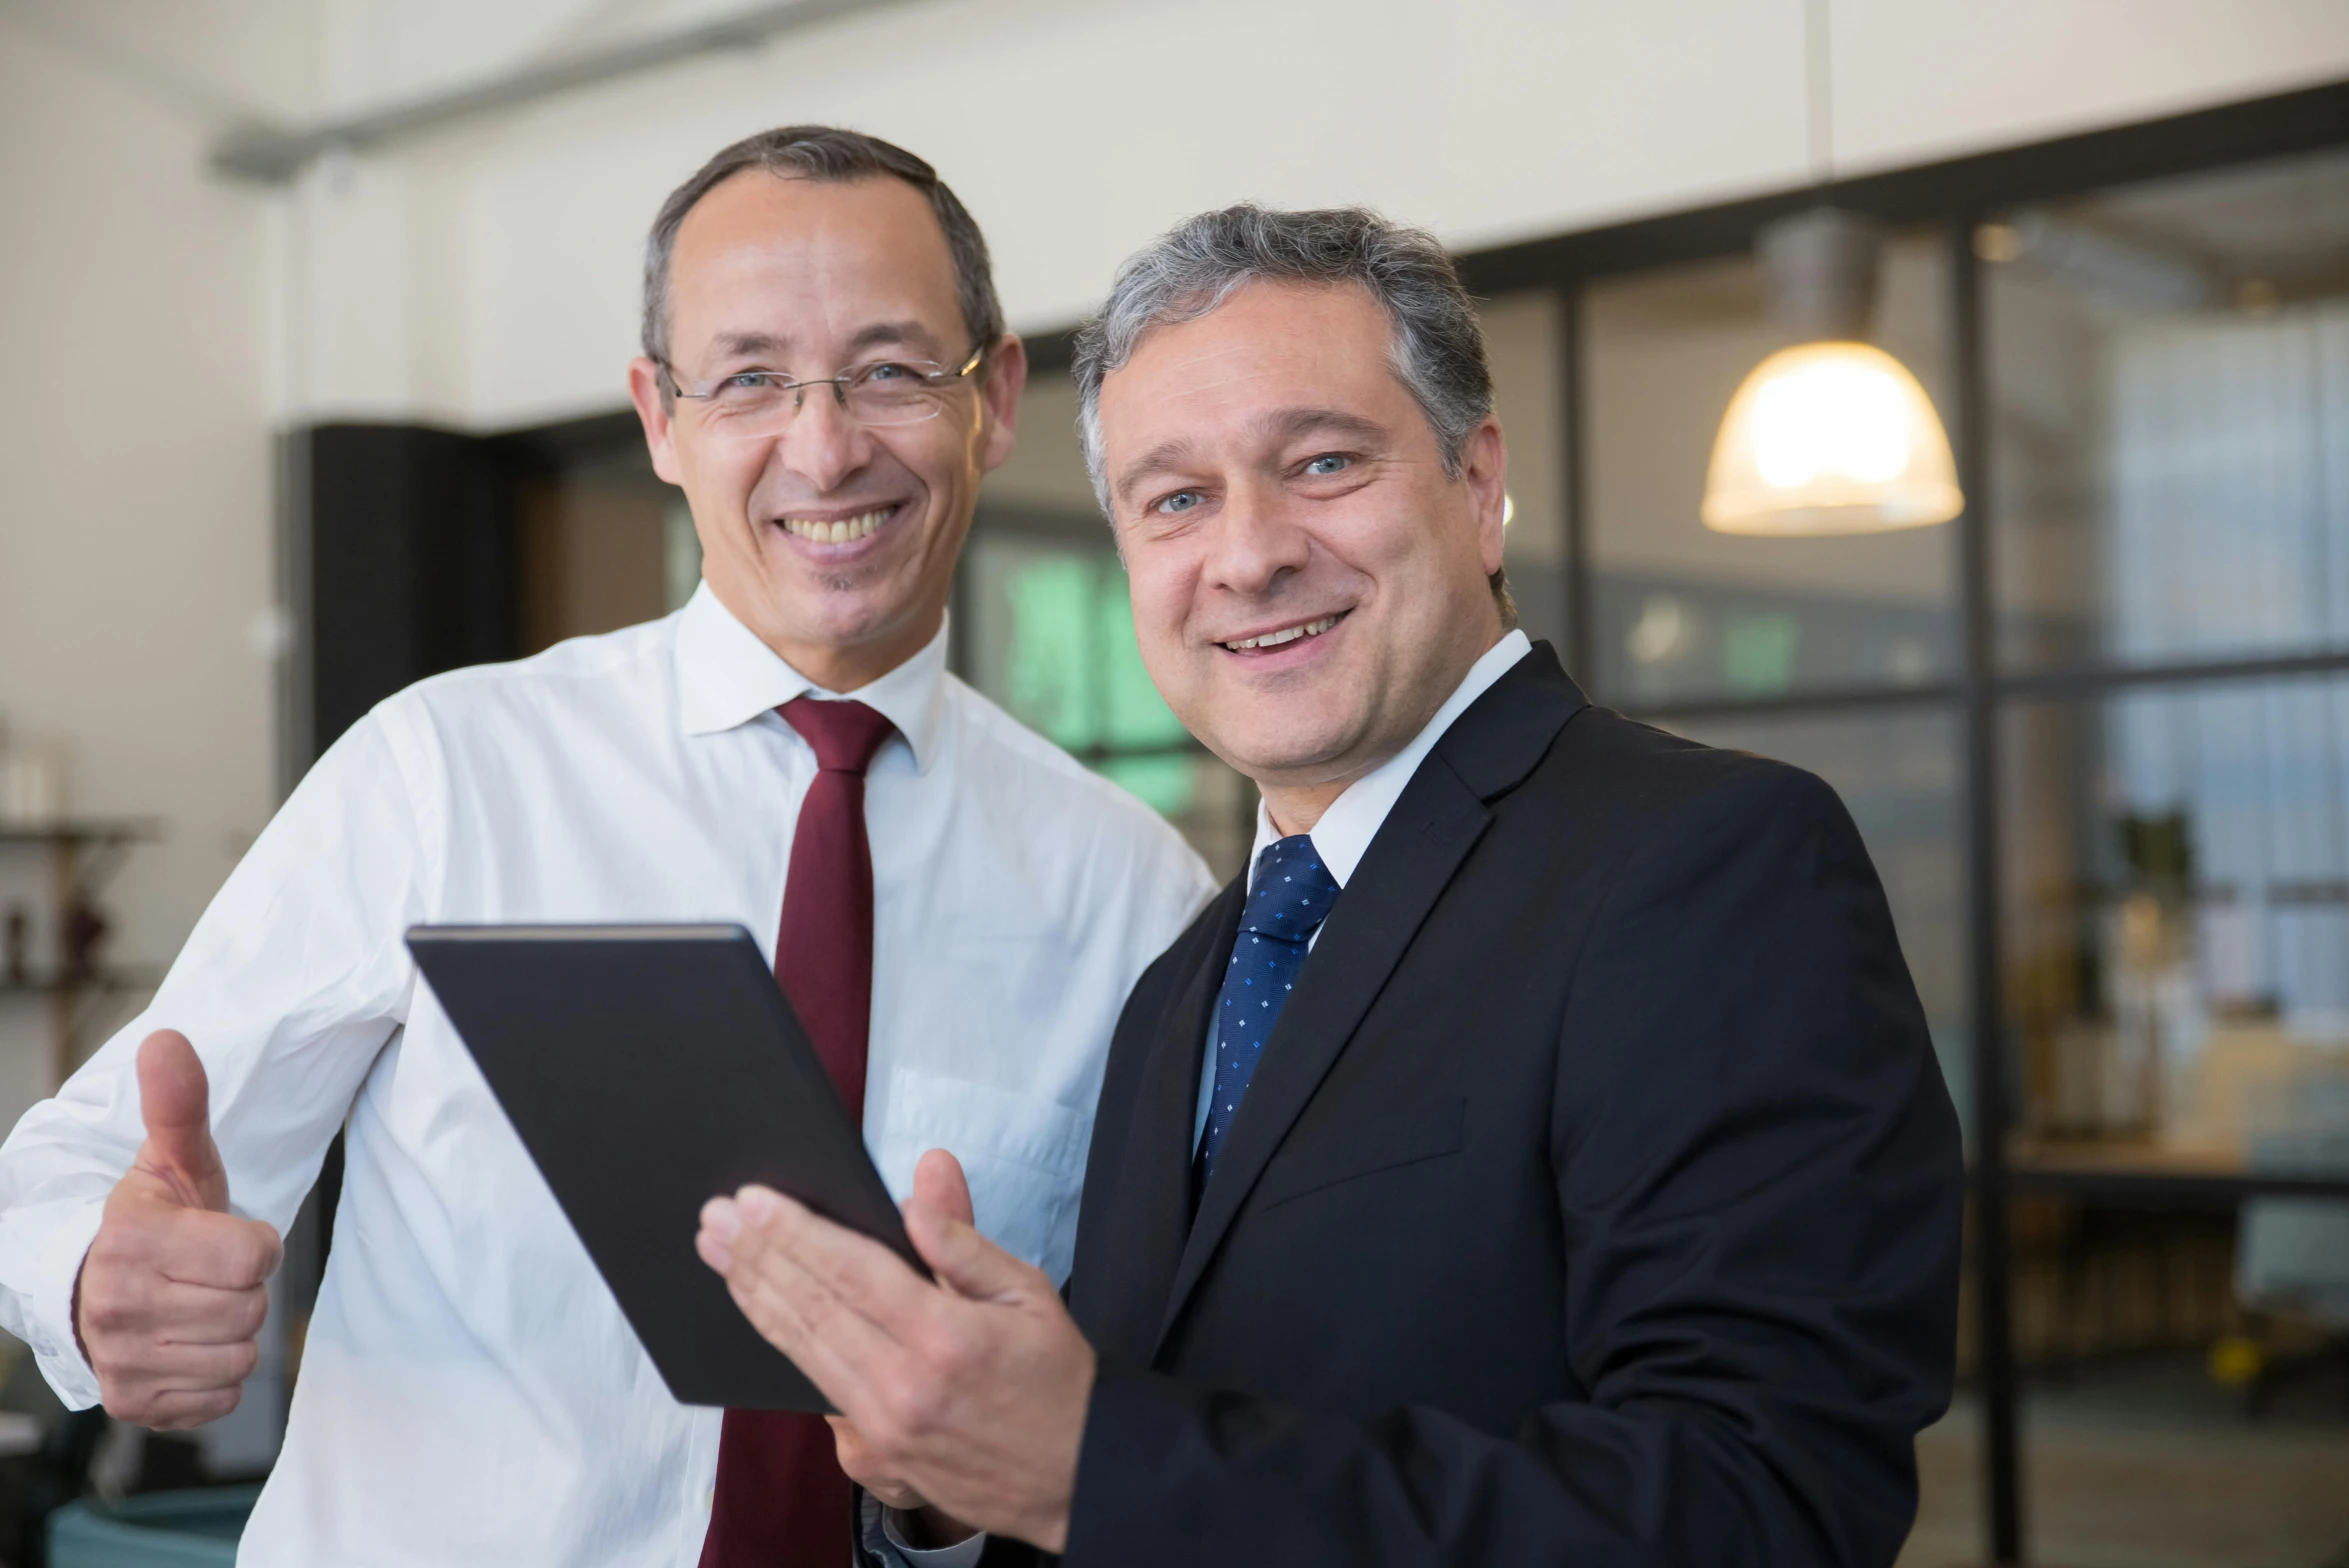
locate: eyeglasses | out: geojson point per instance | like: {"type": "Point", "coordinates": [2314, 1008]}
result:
{"type": "Point", "coordinates": [881, 392]}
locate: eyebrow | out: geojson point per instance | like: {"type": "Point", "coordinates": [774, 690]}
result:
{"type": "Point", "coordinates": [912, 333]}
{"type": "Point", "coordinates": [1280, 427]}
{"type": "Point", "coordinates": [745, 345]}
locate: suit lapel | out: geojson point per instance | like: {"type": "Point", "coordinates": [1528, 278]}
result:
{"type": "Point", "coordinates": [1412, 859]}
{"type": "Point", "coordinates": [1414, 855]}
{"type": "Point", "coordinates": [1153, 1202]}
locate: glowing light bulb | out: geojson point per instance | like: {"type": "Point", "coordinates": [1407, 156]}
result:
{"type": "Point", "coordinates": [1830, 438]}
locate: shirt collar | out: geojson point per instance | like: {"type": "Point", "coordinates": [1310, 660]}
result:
{"type": "Point", "coordinates": [727, 677]}
{"type": "Point", "coordinates": [1342, 837]}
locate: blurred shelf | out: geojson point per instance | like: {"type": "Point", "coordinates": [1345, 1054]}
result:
{"type": "Point", "coordinates": [2151, 1173]}
{"type": "Point", "coordinates": [103, 982]}
{"type": "Point", "coordinates": [77, 834]}
{"type": "Point", "coordinates": [2319, 891]}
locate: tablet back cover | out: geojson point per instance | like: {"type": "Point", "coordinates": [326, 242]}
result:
{"type": "Point", "coordinates": [648, 1069]}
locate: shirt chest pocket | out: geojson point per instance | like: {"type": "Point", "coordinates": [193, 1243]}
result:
{"type": "Point", "coordinates": [1023, 1155]}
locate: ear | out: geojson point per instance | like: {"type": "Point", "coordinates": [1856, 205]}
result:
{"type": "Point", "coordinates": [1007, 378]}
{"type": "Point", "coordinates": [1484, 469]}
{"type": "Point", "coordinates": [658, 416]}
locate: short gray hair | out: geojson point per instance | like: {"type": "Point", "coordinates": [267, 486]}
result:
{"type": "Point", "coordinates": [1437, 348]}
{"type": "Point", "coordinates": [830, 154]}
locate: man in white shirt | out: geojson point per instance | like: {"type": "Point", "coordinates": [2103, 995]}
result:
{"type": "Point", "coordinates": [1538, 1158]}
{"type": "Point", "coordinates": [827, 376]}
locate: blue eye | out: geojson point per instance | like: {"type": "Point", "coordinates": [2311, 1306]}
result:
{"type": "Point", "coordinates": [1181, 501]}
{"type": "Point", "coordinates": [1328, 463]}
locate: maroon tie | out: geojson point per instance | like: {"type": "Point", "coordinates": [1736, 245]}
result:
{"type": "Point", "coordinates": [782, 1500]}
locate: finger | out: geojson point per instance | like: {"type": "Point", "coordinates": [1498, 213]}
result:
{"type": "Point", "coordinates": [859, 1463]}
{"type": "Point", "coordinates": [797, 1310]}
{"type": "Point", "coordinates": [167, 1311]}
{"type": "Point", "coordinates": [175, 1102]}
{"type": "Point", "coordinates": [720, 1224]}
{"type": "Point", "coordinates": [179, 1408]}
{"type": "Point", "coordinates": [215, 1317]}
{"type": "Point", "coordinates": [192, 1369]}
{"type": "Point", "coordinates": [860, 1274]}
{"type": "Point", "coordinates": [968, 1262]}
{"type": "Point", "coordinates": [939, 1184]}
{"type": "Point", "coordinates": [778, 1318]}
{"type": "Point", "coordinates": [218, 1250]}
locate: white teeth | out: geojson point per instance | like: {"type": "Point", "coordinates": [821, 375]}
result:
{"type": "Point", "coordinates": [842, 532]}
{"type": "Point", "coordinates": [1287, 634]}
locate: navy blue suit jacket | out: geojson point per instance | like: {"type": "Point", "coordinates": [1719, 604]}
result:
{"type": "Point", "coordinates": [1596, 1200]}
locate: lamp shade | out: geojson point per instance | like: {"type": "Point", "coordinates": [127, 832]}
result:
{"type": "Point", "coordinates": [1830, 438]}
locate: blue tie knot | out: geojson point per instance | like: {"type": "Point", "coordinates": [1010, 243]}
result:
{"type": "Point", "coordinates": [1293, 891]}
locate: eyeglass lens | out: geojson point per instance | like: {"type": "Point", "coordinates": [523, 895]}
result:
{"type": "Point", "coordinates": [890, 392]}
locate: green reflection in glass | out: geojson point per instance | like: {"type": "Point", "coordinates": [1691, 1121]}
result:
{"type": "Point", "coordinates": [1137, 715]}
{"type": "Point", "coordinates": [1757, 652]}
{"type": "Point", "coordinates": [1074, 671]}
{"type": "Point", "coordinates": [1167, 784]}
{"type": "Point", "coordinates": [1051, 672]}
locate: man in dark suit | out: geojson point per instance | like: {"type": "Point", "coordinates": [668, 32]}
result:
{"type": "Point", "coordinates": [1539, 1157]}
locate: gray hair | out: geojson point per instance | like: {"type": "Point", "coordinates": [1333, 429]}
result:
{"type": "Point", "coordinates": [1436, 347]}
{"type": "Point", "coordinates": [826, 153]}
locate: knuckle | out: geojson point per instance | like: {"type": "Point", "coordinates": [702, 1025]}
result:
{"type": "Point", "coordinates": [251, 1260]}
{"type": "Point", "coordinates": [105, 1306]}
{"type": "Point", "coordinates": [910, 1407]}
{"type": "Point", "coordinates": [941, 1345]}
{"type": "Point", "coordinates": [127, 1404]}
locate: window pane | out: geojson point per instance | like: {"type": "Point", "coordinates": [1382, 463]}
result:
{"type": "Point", "coordinates": [1045, 629]}
{"type": "Point", "coordinates": [1687, 614]}
{"type": "Point", "coordinates": [2178, 926]}
{"type": "Point", "coordinates": [2169, 380]}
{"type": "Point", "coordinates": [1521, 333]}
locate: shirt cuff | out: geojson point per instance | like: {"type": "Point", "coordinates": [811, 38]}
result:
{"type": "Point", "coordinates": [886, 1542]}
{"type": "Point", "coordinates": [43, 1259]}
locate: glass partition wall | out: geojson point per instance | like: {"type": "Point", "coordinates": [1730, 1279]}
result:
{"type": "Point", "coordinates": [2096, 735]}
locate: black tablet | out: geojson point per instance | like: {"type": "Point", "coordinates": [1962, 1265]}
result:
{"type": "Point", "coordinates": [648, 1069]}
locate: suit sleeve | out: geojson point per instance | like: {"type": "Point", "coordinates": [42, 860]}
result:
{"type": "Point", "coordinates": [1759, 1187]}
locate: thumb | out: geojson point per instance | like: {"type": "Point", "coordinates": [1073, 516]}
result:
{"type": "Point", "coordinates": [938, 1222]}
{"type": "Point", "coordinates": [939, 1184]}
{"type": "Point", "coordinates": [175, 1101]}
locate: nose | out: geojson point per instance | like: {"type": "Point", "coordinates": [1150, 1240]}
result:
{"type": "Point", "coordinates": [822, 444]}
{"type": "Point", "coordinates": [1257, 545]}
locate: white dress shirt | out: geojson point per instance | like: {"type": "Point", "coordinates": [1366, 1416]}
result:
{"type": "Point", "coordinates": [469, 1392]}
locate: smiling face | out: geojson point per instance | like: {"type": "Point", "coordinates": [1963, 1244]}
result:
{"type": "Point", "coordinates": [833, 541]}
{"type": "Point", "coordinates": [1309, 585]}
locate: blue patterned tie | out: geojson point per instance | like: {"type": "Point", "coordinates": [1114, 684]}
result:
{"type": "Point", "coordinates": [1291, 898]}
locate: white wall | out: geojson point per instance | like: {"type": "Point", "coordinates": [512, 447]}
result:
{"type": "Point", "coordinates": [135, 461]}
{"type": "Point", "coordinates": [488, 276]}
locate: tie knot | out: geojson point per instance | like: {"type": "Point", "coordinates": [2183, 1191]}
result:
{"type": "Point", "coordinates": [1292, 893]}
{"type": "Point", "coordinates": [844, 734]}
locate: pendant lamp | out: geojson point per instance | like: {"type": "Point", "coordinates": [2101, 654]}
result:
{"type": "Point", "coordinates": [1832, 435]}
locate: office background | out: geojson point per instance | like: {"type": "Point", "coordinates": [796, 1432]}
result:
{"type": "Point", "coordinates": [317, 312]}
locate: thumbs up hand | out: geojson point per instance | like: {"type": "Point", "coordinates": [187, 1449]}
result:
{"type": "Point", "coordinates": [173, 1291]}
